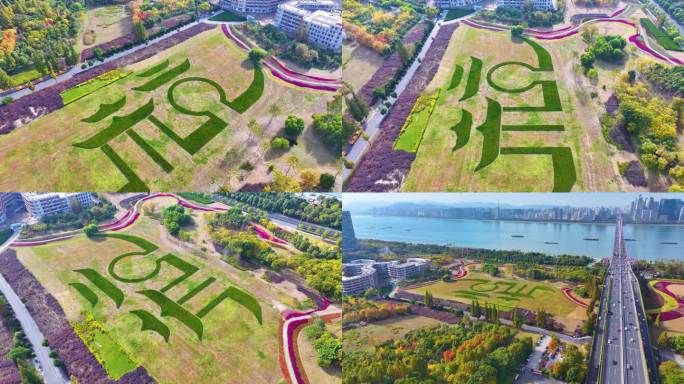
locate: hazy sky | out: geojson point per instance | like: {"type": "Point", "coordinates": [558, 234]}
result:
{"type": "Point", "coordinates": [574, 199]}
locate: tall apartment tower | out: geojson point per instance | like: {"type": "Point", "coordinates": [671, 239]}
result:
{"type": "Point", "coordinates": [349, 243]}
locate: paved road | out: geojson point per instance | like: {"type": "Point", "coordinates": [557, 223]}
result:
{"type": "Point", "coordinates": [77, 68]}
{"type": "Point", "coordinates": [52, 374]}
{"type": "Point", "coordinates": [372, 124]}
{"type": "Point", "coordinates": [291, 222]}
{"type": "Point", "coordinates": [623, 336]}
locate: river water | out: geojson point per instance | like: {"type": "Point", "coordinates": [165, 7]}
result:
{"type": "Point", "coordinates": [536, 236]}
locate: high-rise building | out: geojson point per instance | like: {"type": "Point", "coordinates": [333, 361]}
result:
{"type": "Point", "coordinates": [9, 203]}
{"type": "Point", "coordinates": [349, 243]}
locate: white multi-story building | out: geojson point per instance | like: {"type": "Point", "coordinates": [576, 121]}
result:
{"type": "Point", "coordinates": [362, 274]}
{"type": "Point", "coordinates": [321, 20]}
{"type": "Point", "coordinates": [409, 268]}
{"type": "Point", "coordinates": [543, 5]}
{"type": "Point", "coordinates": [449, 4]}
{"type": "Point", "coordinates": [41, 204]}
{"type": "Point", "coordinates": [250, 6]}
{"type": "Point", "coordinates": [10, 202]}
{"type": "Point", "coordinates": [358, 276]}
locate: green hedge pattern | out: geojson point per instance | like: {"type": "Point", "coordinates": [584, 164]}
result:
{"type": "Point", "coordinates": [246, 300]}
{"type": "Point", "coordinates": [164, 77]}
{"type": "Point", "coordinates": [456, 77]}
{"type": "Point", "coordinates": [118, 126]}
{"type": "Point", "coordinates": [462, 129]}
{"type": "Point", "coordinates": [155, 69]}
{"type": "Point", "coordinates": [151, 152]}
{"type": "Point", "coordinates": [103, 284]}
{"type": "Point", "coordinates": [170, 308]}
{"type": "Point", "coordinates": [196, 290]}
{"type": "Point", "coordinates": [564, 173]}
{"type": "Point", "coordinates": [491, 132]}
{"type": "Point", "coordinates": [105, 110]}
{"type": "Point", "coordinates": [534, 127]}
{"type": "Point", "coordinates": [86, 292]}
{"type": "Point", "coordinates": [473, 82]}
{"type": "Point", "coordinates": [552, 102]}
{"type": "Point", "coordinates": [134, 184]}
{"type": "Point", "coordinates": [151, 323]}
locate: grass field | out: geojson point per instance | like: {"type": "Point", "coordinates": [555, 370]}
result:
{"type": "Point", "coordinates": [459, 12]}
{"type": "Point", "coordinates": [234, 347]}
{"type": "Point", "coordinates": [25, 76]}
{"type": "Point", "coordinates": [509, 293]}
{"type": "Point", "coordinates": [362, 338]}
{"type": "Point", "coordinates": [359, 64]}
{"type": "Point", "coordinates": [218, 163]}
{"type": "Point", "coordinates": [445, 164]}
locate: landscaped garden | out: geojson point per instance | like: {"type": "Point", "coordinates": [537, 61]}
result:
{"type": "Point", "coordinates": [507, 119]}
{"type": "Point", "coordinates": [159, 308]}
{"type": "Point", "coordinates": [197, 114]}
{"type": "Point", "coordinates": [507, 294]}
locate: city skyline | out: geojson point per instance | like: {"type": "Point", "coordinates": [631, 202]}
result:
{"type": "Point", "coordinates": [356, 201]}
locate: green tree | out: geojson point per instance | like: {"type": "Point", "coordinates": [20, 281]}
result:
{"type": "Point", "coordinates": [326, 181]}
{"type": "Point", "coordinates": [256, 54]}
{"type": "Point", "coordinates": [517, 31]}
{"type": "Point", "coordinates": [139, 31]}
{"type": "Point", "coordinates": [294, 126]}
{"type": "Point", "coordinates": [5, 80]}
{"type": "Point", "coordinates": [90, 230]}
{"type": "Point", "coordinates": [280, 144]}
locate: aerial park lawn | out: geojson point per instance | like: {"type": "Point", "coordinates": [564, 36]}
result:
{"type": "Point", "coordinates": [177, 119]}
{"type": "Point", "coordinates": [510, 118]}
{"type": "Point", "coordinates": [507, 294]}
{"type": "Point", "coordinates": [212, 327]}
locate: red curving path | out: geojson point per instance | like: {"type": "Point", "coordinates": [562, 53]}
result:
{"type": "Point", "coordinates": [567, 31]}
{"type": "Point", "coordinates": [567, 292]}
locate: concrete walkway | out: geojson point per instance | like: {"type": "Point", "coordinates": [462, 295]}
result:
{"type": "Point", "coordinates": [51, 374]}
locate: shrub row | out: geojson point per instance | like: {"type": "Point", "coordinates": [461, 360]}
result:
{"type": "Point", "coordinates": [164, 77]}
{"type": "Point", "coordinates": [198, 197]}
{"type": "Point", "coordinates": [246, 300]}
{"type": "Point", "coordinates": [151, 152]}
{"type": "Point", "coordinates": [155, 69]}
{"type": "Point", "coordinates": [456, 77]}
{"type": "Point", "coordinates": [462, 129]}
{"type": "Point", "coordinates": [118, 126]}
{"type": "Point", "coordinates": [81, 90]}
{"type": "Point", "coordinates": [198, 138]}
{"type": "Point", "coordinates": [473, 81]}
{"type": "Point", "coordinates": [134, 184]}
{"type": "Point", "coordinates": [105, 110]}
{"type": "Point", "coordinates": [170, 308]}
{"type": "Point", "coordinates": [86, 292]}
{"type": "Point", "coordinates": [151, 323]}
{"type": "Point", "coordinates": [412, 130]}
{"type": "Point", "coordinates": [196, 290]}
{"type": "Point", "coordinates": [490, 130]}
{"type": "Point", "coordinates": [103, 284]}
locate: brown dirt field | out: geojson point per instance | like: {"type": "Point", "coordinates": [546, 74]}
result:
{"type": "Point", "coordinates": [359, 64]}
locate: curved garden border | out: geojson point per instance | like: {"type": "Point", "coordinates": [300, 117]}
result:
{"type": "Point", "coordinates": [567, 292]}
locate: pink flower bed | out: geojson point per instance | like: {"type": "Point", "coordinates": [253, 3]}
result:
{"type": "Point", "coordinates": [264, 234]}
{"type": "Point", "coordinates": [229, 34]}
{"type": "Point", "coordinates": [619, 11]}
{"type": "Point", "coordinates": [567, 292]}
{"type": "Point", "coordinates": [461, 273]}
{"type": "Point", "coordinates": [674, 314]}
{"type": "Point", "coordinates": [302, 84]}
{"type": "Point", "coordinates": [634, 39]}
{"type": "Point", "coordinates": [293, 73]}
{"type": "Point", "coordinates": [480, 26]}
{"type": "Point", "coordinates": [551, 32]}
